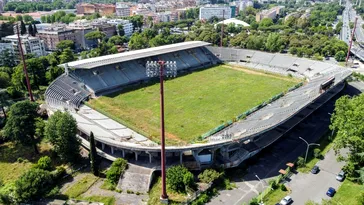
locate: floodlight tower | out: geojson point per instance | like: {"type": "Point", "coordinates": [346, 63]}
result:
{"type": "Point", "coordinates": [169, 69]}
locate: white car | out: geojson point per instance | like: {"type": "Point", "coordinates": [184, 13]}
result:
{"type": "Point", "coordinates": [286, 200]}
{"type": "Point", "coordinates": [340, 177]}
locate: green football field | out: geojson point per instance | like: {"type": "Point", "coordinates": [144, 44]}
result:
{"type": "Point", "coordinates": [194, 103]}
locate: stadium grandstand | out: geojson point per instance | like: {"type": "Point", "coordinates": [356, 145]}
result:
{"type": "Point", "coordinates": [226, 146]}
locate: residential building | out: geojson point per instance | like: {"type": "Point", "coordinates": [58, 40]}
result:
{"type": "Point", "coordinates": [271, 13]}
{"type": "Point", "coordinates": [82, 27]}
{"type": "Point", "coordinates": [108, 29]}
{"type": "Point", "coordinates": [88, 9]}
{"type": "Point", "coordinates": [1, 6]}
{"type": "Point", "coordinates": [6, 46]}
{"type": "Point", "coordinates": [122, 9]}
{"type": "Point", "coordinates": [218, 11]}
{"type": "Point", "coordinates": [242, 4]}
{"type": "Point", "coordinates": [127, 25]}
{"type": "Point", "coordinates": [53, 35]}
{"type": "Point", "coordinates": [30, 44]}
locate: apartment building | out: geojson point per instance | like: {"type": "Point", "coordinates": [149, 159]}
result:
{"type": "Point", "coordinates": [218, 11]}
{"type": "Point", "coordinates": [122, 9]}
{"type": "Point", "coordinates": [53, 35]}
{"type": "Point", "coordinates": [127, 25]}
{"type": "Point", "coordinates": [271, 13]}
{"type": "Point", "coordinates": [88, 9]}
{"type": "Point", "coordinates": [30, 45]}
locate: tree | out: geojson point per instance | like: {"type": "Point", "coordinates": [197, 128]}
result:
{"type": "Point", "coordinates": [30, 30]}
{"type": "Point", "coordinates": [61, 130]}
{"type": "Point", "coordinates": [117, 40]}
{"type": "Point", "coordinates": [27, 18]}
{"type": "Point", "coordinates": [121, 31]}
{"type": "Point", "coordinates": [266, 22]}
{"type": "Point", "coordinates": [32, 185]}
{"type": "Point", "coordinates": [177, 177]}
{"type": "Point", "coordinates": [348, 125]}
{"type": "Point", "coordinates": [66, 56]}
{"type": "Point", "coordinates": [4, 101]}
{"type": "Point", "coordinates": [65, 44]}
{"type": "Point", "coordinates": [37, 68]}
{"type": "Point", "coordinates": [23, 29]}
{"type": "Point", "coordinates": [209, 175]}
{"type": "Point", "coordinates": [53, 72]}
{"type": "Point", "coordinates": [35, 30]}
{"type": "Point", "coordinates": [7, 58]}
{"type": "Point", "coordinates": [116, 170]}
{"type": "Point", "coordinates": [95, 35]}
{"type": "Point", "coordinates": [20, 126]}
{"type": "Point", "coordinates": [93, 156]}
{"type": "Point", "coordinates": [273, 43]}
{"type": "Point", "coordinates": [340, 56]}
{"type": "Point", "coordinates": [137, 41]}
{"type": "Point", "coordinates": [4, 79]}
{"type": "Point", "coordinates": [44, 163]}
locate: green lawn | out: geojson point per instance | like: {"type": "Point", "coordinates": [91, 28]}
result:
{"type": "Point", "coordinates": [81, 186]}
{"type": "Point", "coordinates": [348, 193]}
{"type": "Point", "coordinates": [107, 200]}
{"type": "Point", "coordinates": [194, 103]}
{"type": "Point", "coordinates": [10, 167]}
{"type": "Point", "coordinates": [274, 197]}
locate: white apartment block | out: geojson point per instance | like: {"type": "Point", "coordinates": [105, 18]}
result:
{"type": "Point", "coordinates": [271, 13]}
{"type": "Point", "coordinates": [30, 44]}
{"type": "Point", "coordinates": [122, 9]}
{"type": "Point", "coordinates": [127, 25]}
{"type": "Point", "coordinates": [220, 12]}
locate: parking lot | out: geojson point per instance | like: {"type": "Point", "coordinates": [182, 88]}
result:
{"type": "Point", "coordinates": [313, 187]}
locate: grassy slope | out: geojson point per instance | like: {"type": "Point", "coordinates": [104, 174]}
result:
{"type": "Point", "coordinates": [107, 200]}
{"type": "Point", "coordinates": [348, 193]}
{"type": "Point", "coordinates": [274, 197]}
{"type": "Point", "coordinates": [195, 103]}
{"type": "Point", "coordinates": [81, 186]}
{"type": "Point", "coordinates": [10, 169]}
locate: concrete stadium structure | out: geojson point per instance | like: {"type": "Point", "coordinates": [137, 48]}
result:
{"type": "Point", "coordinates": [229, 147]}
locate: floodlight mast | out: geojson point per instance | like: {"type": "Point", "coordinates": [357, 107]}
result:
{"type": "Point", "coordinates": [161, 68]}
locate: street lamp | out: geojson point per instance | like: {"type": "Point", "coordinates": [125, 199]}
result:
{"type": "Point", "coordinates": [308, 146]}
{"type": "Point", "coordinates": [261, 196]}
{"type": "Point", "coordinates": [169, 69]}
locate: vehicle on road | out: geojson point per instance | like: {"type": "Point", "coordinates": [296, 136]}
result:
{"type": "Point", "coordinates": [286, 200]}
{"type": "Point", "coordinates": [315, 170]}
{"type": "Point", "coordinates": [341, 176]}
{"type": "Point", "coordinates": [331, 192]}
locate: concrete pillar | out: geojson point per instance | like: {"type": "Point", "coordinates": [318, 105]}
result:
{"type": "Point", "coordinates": [112, 150]}
{"type": "Point", "coordinates": [102, 146]}
{"type": "Point", "coordinates": [180, 157]}
{"type": "Point", "coordinates": [136, 155]}
{"type": "Point", "coordinates": [123, 152]}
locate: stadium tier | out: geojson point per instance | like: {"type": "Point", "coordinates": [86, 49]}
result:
{"type": "Point", "coordinates": [256, 128]}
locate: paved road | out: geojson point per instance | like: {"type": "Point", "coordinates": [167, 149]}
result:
{"type": "Point", "coordinates": [313, 187]}
{"type": "Point", "coordinates": [267, 163]}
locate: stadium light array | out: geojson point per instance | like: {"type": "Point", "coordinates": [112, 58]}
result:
{"type": "Point", "coordinates": [161, 69]}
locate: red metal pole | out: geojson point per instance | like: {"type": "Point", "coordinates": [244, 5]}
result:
{"type": "Point", "coordinates": [24, 65]}
{"type": "Point", "coordinates": [164, 195]}
{"type": "Point", "coordinates": [351, 41]}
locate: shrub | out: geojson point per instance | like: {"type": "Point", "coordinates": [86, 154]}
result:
{"type": "Point", "coordinates": [317, 153]}
{"type": "Point", "coordinates": [209, 175]}
{"type": "Point", "coordinates": [300, 162]}
{"type": "Point", "coordinates": [20, 160]}
{"type": "Point", "coordinates": [45, 163]}
{"type": "Point", "coordinates": [54, 192]}
{"type": "Point", "coordinates": [283, 187]}
{"type": "Point", "coordinates": [188, 179]}
{"type": "Point", "coordinates": [58, 173]}
{"type": "Point", "coordinates": [201, 200]}
{"type": "Point", "coordinates": [254, 201]}
{"type": "Point", "coordinates": [273, 183]}
{"type": "Point", "coordinates": [116, 170]}
{"type": "Point", "coordinates": [176, 178]}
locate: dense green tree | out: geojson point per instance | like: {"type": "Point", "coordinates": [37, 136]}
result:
{"type": "Point", "coordinates": [66, 56]}
{"type": "Point", "coordinates": [61, 130]}
{"type": "Point", "coordinates": [27, 18]}
{"type": "Point", "coordinates": [273, 43]}
{"type": "Point", "coordinates": [4, 101]}
{"type": "Point", "coordinates": [95, 35]}
{"type": "Point", "coordinates": [266, 22]}
{"type": "Point", "coordinates": [20, 125]}
{"type": "Point", "coordinates": [93, 156]}
{"type": "Point", "coordinates": [30, 30]}
{"type": "Point", "coordinates": [121, 31]}
{"type": "Point", "coordinates": [36, 70]}
{"type": "Point", "coordinates": [340, 56]}
{"type": "Point", "coordinates": [53, 72]}
{"type": "Point", "coordinates": [137, 41]}
{"type": "Point", "coordinates": [117, 40]}
{"type": "Point", "coordinates": [32, 185]}
{"type": "Point", "coordinates": [116, 170]}
{"type": "Point", "coordinates": [65, 44]}
{"type": "Point", "coordinates": [4, 79]}
{"type": "Point", "coordinates": [177, 177]}
{"type": "Point", "coordinates": [23, 29]}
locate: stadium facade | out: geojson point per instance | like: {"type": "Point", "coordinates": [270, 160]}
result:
{"type": "Point", "coordinates": [227, 147]}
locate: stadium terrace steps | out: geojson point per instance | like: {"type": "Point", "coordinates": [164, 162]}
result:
{"type": "Point", "coordinates": [136, 179]}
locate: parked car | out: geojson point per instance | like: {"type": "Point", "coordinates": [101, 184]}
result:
{"type": "Point", "coordinates": [341, 176]}
{"type": "Point", "coordinates": [286, 200]}
{"type": "Point", "coordinates": [331, 192]}
{"type": "Point", "coordinates": [315, 170]}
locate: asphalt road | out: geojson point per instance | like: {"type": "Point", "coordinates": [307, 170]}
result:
{"type": "Point", "coordinates": [313, 187]}
{"type": "Point", "coordinates": [268, 162]}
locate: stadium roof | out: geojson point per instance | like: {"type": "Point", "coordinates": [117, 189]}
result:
{"type": "Point", "coordinates": [132, 55]}
{"type": "Point", "coordinates": [235, 21]}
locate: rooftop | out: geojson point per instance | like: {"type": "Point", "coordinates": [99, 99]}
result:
{"type": "Point", "coordinates": [132, 55]}
{"type": "Point", "coordinates": [235, 21]}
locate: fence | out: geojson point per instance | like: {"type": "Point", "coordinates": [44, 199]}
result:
{"type": "Point", "coordinates": [247, 113]}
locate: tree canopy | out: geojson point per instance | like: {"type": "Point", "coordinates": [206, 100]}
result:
{"type": "Point", "coordinates": [61, 130]}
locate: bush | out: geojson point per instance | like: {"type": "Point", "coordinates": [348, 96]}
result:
{"type": "Point", "coordinates": [58, 173]}
{"type": "Point", "coordinates": [209, 175]}
{"type": "Point", "coordinates": [176, 178]}
{"type": "Point", "coordinates": [317, 153]}
{"type": "Point", "coordinates": [116, 170]}
{"type": "Point", "coordinates": [54, 192]}
{"type": "Point", "coordinates": [6, 194]}
{"type": "Point", "coordinates": [254, 201]}
{"type": "Point", "coordinates": [283, 187]}
{"type": "Point", "coordinates": [201, 200]}
{"type": "Point", "coordinates": [301, 162]}
{"type": "Point", "coordinates": [188, 179]}
{"type": "Point", "coordinates": [44, 163]}
{"type": "Point", "coordinates": [273, 183]}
